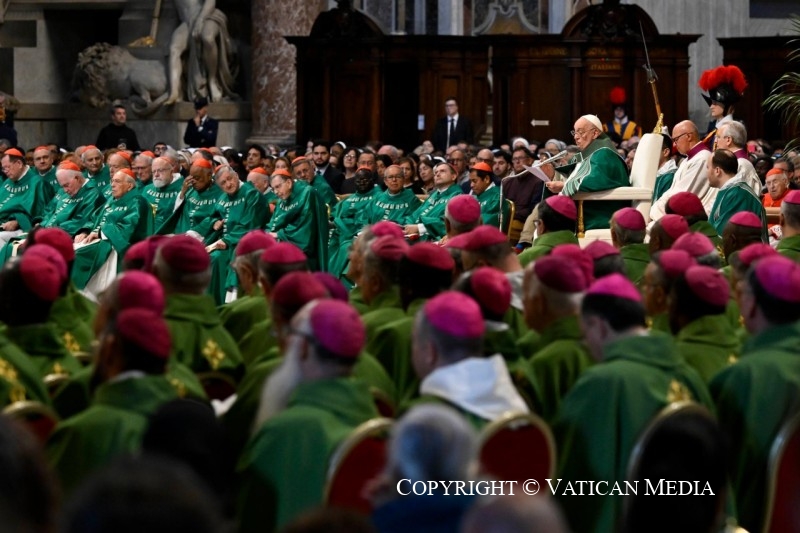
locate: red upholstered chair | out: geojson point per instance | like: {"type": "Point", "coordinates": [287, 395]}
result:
{"type": "Point", "coordinates": [517, 447]}
{"type": "Point", "coordinates": [37, 417]}
{"type": "Point", "coordinates": [383, 402]}
{"type": "Point", "coordinates": [783, 484]}
{"type": "Point", "coordinates": [356, 461]}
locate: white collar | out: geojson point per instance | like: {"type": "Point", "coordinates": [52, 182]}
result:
{"type": "Point", "coordinates": [479, 385]}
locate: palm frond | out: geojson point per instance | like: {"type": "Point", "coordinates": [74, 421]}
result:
{"type": "Point", "coordinates": [784, 98]}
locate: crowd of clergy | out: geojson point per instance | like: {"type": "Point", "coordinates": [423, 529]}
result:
{"type": "Point", "coordinates": [209, 327]}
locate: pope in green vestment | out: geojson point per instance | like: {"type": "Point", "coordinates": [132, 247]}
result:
{"type": "Point", "coordinates": [392, 207]}
{"type": "Point", "coordinates": [125, 219]}
{"type": "Point", "coordinates": [113, 425]}
{"type": "Point", "coordinates": [73, 212]}
{"type": "Point", "coordinates": [599, 168]}
{"type": "Point", "coordinates": [198, 339]}
{"type": "Point", "coordinates": [284, 466]}
{"type": "Point", "coordinates": [349, 217]}
{"type": "Point", "coordinates": [606, 411]}
{"type": "Point", "coordinates": [754, 398]}
{"type": "Point", "coordinates": [430, 214]}
{"type": "Point", "coordinates": [162, 198]}
{"type": "Point", "coordinates": [301, 218]}
{"type": "Point", "coordinates": [24, 200]}
{"type": "Point", "coordinates": [545, 243]}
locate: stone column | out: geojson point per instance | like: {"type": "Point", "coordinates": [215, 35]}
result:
{"type": "Point", "coordinates": [273, 63]}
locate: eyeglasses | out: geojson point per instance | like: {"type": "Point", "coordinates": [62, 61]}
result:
{"type": "Point", "coordinates": [581, 133]}
{"type": "Point", "coordinates": [160, 170]}
{"type": "Point", "coordinates": [350, 156]}
{"type": "Point", "coordinates": [392, 177]}
{"type": "Point", "coordinates": [518, 159]}
{"type": "Point", "coordinates": [675, 139]}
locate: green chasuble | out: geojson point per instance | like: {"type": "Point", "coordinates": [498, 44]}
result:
{"type": "Point", "coordinates": [285, 464]}
{"type": "Point", "coordinates": [733, 197]}
{"type": "Point", "coordinates": [74, 396]}
{"type": "Point", "coordinates": [600, 169]}
{"type": "Point", "coordinates": [392, 207]}
{"type": "Point", "coordinates": [544, 243]}
{"type": "Point", "coordinates": [385, 307]}
{"type": "Point", "coordinates": [259, 343]}
{"type": "Point", "coordinates": [636, 258]}
{"type": "Point", "coordinates": [302, 219]}
{"type": "Point", "coordinates": [19, 377]}
{"type": "Point", "coordinates": [790, 247]}
{"type": "Point", "coordinates": [529, 343]}
{"type": "Point", "coordinates": [50, 179]}
{"type": "Point", "coordinates": [708, 344]}
{"type": "Point", "coordinates": [198, 339]}
{"type": "Point", "coordinates": [606, 411]}
{"type": "Point", "coordinates": [73, 213]}
{"type": "Point", "coordinates": [501, 339]}
{"type": "Point", "coordinates": [431, 213]}
{"type": "Point", "coordinates": [349, 218]}
{"type": "Point", "coordinates": [705, 227]}
{"type": "Point", "coordinates": [357, 300]}
{"type": "Point", "coordinates": [196, 213]}
{"type": "Point", "coordinates": [243, 211]}
{"type": "Point", "coordinates": [101, 180]}
{"type": "Point", "coordinates": [162, 200]}
{"type": "Point", "coordinates": [112, 426]}
{"type": "Point", "coordinates": [559, 363]}
{"type": "Point", "coordinates": [46, 349]}
{"type": "Point", "coordinates": [489, 201]}
{"type": "Point", "coordinates": [73, 316]}
{"type": "Point", "coordinates": [324, 191]}
{"type": "Point", "coordinates": [239, 315]}
{"type": "Point", "coordinates": [663, 183]}
{"type": "Point", "coordinates": [754, 398]}
{"type": "Point", "coordinates": [391, 346]}
{"type": "Point", "coordinates": [121, 223]}
{"type": "Point", "coordinates": [24, 200]}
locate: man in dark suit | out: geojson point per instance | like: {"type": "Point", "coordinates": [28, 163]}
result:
{"type": "Point", "coordinates": [452, 128]}
{"type": "Point", "coordinates": [321, 155]}
{"type": "Point", "coordinates": [201, 131]}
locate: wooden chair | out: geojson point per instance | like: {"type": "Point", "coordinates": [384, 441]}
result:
{"type": "Point", "coordinates": [680, 439]}
{"type": "Point", "coordinates": [773, 214]}
{"type": "Point", "coordinates": [37, 417]}
{"type": "Point", "coordinates": [509, 211]}
{"type": "Point", "coordinates": [517, 447]}
{"type": "Point", "coordinates": [356, 461]}
{"type": "Point", "coordinates": [783, 482]}
{"type": "Point", "coordinates": [217, 386]}
{"type": "Point", "coordinates": [640, 193]}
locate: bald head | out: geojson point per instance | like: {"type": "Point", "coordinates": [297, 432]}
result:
{"type": "Point", "coordinates": [685, 136]}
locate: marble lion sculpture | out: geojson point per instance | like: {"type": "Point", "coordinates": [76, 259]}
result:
{"type": "Point", "coordinates": [106, 73]}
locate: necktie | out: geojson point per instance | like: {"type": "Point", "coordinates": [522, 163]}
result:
{"type": "Point", "coordinates": [451, 133]}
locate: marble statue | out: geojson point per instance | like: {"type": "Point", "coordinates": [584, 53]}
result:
{"type": "Point", "coordinates": [202, 54]}
{"type": "Point", "coordinates": [106, 73]}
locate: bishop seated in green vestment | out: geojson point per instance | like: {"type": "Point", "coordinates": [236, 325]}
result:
{"type": "Point", "coordinates": [309, 406]}
{"type": "Point", "coordinates": [396, 203]}
{"type": "Point", "coordinates": [300, 218]}
{"type": "Point", "coordinates": [427, 222]}
{"type": "Point", "coordinates": [23, 196]}
{"type": "Point", "coordinates": [129, 371]}
{"type": "Point", "coordinates": [240, 209]}
{"type": "Point", "coordinates": [301, 167]}
{"type": "Point", "coordinates": [162, 192]}
{"type": "Point", "coordinates": [758, 394]}
{"type": "Point", "coordinates": [349, 217]}
{"type": "Point", "coordinates": [604, 414]}
{"type": "Point", "coordinates": [125, 219]}
{"type": "Point", "coordinates": [628, 230]}
{"type": "Point", "coordinates": [734, 194]}
{"type": "Point", "coordinates": [95, 168]}
{"type": "Point", "coordinates": [555, 225]}
{"type": "Point", "coordinates": [598, 168]}
{"type": "Point", "coordinates": [195, 204]}
{"type": "Point", "coordinates": [199, 340]}
{"type": "Point", "coordinates": [789, 245]}
{"type": "Point", "coordinates": [487, 193]}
